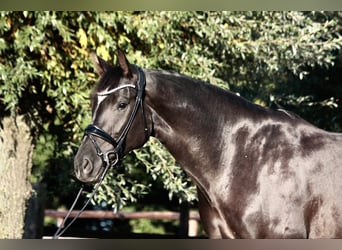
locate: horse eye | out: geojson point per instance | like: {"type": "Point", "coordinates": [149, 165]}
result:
{"type": "Point", "coordinates": [122, 105]}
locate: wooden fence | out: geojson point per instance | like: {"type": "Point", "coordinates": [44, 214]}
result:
{"type": "Point", "coordinates": [188, 221]}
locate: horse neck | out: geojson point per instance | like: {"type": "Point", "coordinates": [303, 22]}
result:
{"type": "Point", "coordinates": [188, 119]}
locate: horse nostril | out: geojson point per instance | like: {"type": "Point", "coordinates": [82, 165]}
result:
{"type": "Point", "coordinates": [83, 168]}
{"type": "Point", "coordinates": [87, 166]}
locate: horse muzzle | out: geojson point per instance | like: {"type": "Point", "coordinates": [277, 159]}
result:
{"type": "Point", "coordinates": [90, 169]}
{"type": "Point", "coordinates": [85, 170]}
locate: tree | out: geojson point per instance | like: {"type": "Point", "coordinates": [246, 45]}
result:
{"type": "Point", "coordinates": [46, 74]}
{"type": "Point", "coordinates": [15, 169]}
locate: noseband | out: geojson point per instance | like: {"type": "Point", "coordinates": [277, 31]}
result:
{"type": "Point", "coordinates": [118, 145]}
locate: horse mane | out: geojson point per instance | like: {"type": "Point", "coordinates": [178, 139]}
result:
{"type": "Point", "coordinates": [216, 96]}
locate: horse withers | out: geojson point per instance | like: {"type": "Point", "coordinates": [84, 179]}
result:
{"type": "Point", "coordinates": [260, 173]}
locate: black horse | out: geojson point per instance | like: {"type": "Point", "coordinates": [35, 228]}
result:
{"type": "Point", "coordinates": [260, 173]}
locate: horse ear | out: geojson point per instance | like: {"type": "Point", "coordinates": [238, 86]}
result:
{"type": "Point", "coordinates": [124, 64]}
{"type": "Point", "coordinates": [101, 65]}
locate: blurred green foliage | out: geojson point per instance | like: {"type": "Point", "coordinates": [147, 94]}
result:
{"type": "Point", "coordinates": [280, 59]}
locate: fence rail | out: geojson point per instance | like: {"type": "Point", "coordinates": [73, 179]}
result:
{"type": "Point", "coordinates": [101, 214]}
{"type": "Point", "coordinates": [188, 220]}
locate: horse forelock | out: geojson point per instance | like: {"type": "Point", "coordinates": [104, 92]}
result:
{"type": "Point", "coordinates": [109, 80]}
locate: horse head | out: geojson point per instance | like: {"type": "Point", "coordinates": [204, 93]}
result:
{"type": "Point", "coordinates": [119, 121]}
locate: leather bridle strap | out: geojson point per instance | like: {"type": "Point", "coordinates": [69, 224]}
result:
{"type": "Point", "coordinates": [138, 103]}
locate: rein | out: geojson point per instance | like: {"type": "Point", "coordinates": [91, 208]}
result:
{"type": "Point", "coordinates": [118, 145]}
{"type": "Point", "coordinates": [61, 229]}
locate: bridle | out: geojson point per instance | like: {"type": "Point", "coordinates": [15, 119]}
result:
{"type": "Point", "coordinates": [118, 145]}
{"type": "Point", "coordinates": [93, 131]}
